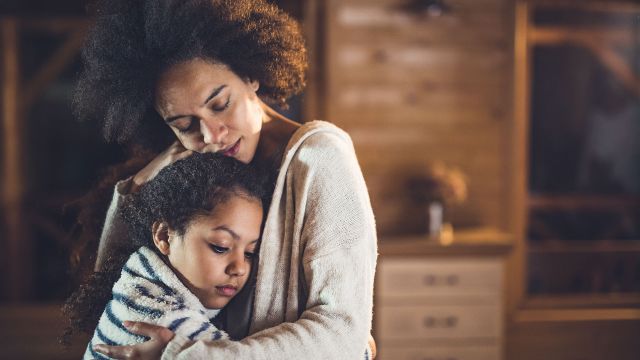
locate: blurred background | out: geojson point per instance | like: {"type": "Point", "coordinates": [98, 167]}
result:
{"type": "Point", "coordinates": [500, 142]}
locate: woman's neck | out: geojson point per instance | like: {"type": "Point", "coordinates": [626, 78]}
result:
{"type": "Point", "coordinates": [274, 136]}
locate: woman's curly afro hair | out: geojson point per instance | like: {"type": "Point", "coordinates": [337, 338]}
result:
{"type": "Point", "coordinates": [181, 192]}
{"type": "Point", "coordinates": [133, 41]}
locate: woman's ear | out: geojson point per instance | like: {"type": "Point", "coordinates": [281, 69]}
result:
{"type": "Point", "coordinates": [160, 232]}
{"type": "Point", "coordinates": [253, 84]}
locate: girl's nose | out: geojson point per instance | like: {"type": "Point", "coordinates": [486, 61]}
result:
{"type": "Point", "coordinates": [213, 132]}
{"type": "Point", "coordinates": [238, 265]}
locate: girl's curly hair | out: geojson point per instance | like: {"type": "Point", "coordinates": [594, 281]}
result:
{"type": "Point", "coordinates": [134, 41]}
{"type": "Point", "coordinates": [180, 192]}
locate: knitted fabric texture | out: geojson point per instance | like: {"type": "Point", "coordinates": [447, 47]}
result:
{"type": "Point", "coordinates": [149, 291]}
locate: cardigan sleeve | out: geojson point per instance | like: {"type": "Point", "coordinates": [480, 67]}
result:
{"type": "Point", "coordinates": [338, 263]}
{"type": "Point", "coordinates": [114, 229]}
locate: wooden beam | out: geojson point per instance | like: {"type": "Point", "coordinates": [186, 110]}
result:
{"type": "Point", "coordinates": [519, 160]}
{"type": "Point", "coordinates": [549, 35]}
{"type": "Point", "coordinates": [617, 65]}
{"type": "Point", "coordinates": [53, 67]}
{"type": "Point", "coordinates": [314, 35]}
{"type": "Point", "coordinates": [18, 260]}
{"type": "Point", "coordinates": [599, 41]}
{"type": "Point", "coordinates": [581, 5]}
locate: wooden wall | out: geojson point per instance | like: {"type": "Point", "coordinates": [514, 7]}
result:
{"type": "Point", "coordinates": [412, 89]}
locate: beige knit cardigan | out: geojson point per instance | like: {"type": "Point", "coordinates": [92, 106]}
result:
{"type": "Point", "coordinates": [314, 291]}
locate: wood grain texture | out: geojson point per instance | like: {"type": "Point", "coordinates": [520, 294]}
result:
{"type": "Point", "coordinates": [412, 90]}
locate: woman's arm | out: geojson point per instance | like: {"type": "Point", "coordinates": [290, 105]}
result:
{"type": "Point", "coordinates": [338, 263]}
{"type": "Point", "coordinates": [115, 229]}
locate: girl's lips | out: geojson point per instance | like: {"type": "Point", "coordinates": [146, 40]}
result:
{"type": "Point", "coordinates": [226, 290]}
{"type": "Point", "coordinates": [232, 150]}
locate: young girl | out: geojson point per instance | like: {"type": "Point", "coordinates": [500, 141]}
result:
{"type": "Point", "coordinates": [194, 233]}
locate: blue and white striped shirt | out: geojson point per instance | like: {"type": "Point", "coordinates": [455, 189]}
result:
{"type": "Point", "coordinates": [148, 290]}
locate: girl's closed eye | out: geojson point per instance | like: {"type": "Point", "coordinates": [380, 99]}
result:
{"type": "Point", "coordinates": [218, 249]}
{"type": "Point", "coordinates": [249, 255]}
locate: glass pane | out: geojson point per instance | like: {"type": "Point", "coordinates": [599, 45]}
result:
{"type": "Point", "coordinates": [584, 176]}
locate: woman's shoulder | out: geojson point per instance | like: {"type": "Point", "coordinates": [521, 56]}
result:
{"type": "Point", "coordinates": [319, 137]}
{"type": "Point", "coordinates": [320, 149]}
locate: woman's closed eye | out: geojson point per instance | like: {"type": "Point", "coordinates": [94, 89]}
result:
{"type": "Point", "coordinates": [185, 125]}
{"type": "Point", "coordinates": [223, 107]}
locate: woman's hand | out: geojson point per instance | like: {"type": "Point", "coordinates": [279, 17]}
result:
{"type": "Point", "coordinates": [151, 349]}
{"type": "Point", "coordinates": [173, 153]}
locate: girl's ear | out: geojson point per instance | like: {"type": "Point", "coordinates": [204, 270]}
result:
{"type": "Point", "coordinates": [161, 234]}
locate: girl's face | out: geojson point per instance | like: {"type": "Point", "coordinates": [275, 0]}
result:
{"type": "Point", "coordinates": [213, 257]}
{"type": "Point", "coordinates": [211, 109]}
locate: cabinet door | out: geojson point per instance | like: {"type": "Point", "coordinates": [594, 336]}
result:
{"type": "Point", "coordinates": [398, 322]}
{"type": "Point", "coordinates": [425, 277]}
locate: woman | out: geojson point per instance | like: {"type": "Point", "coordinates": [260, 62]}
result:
{"type": "Point", "coordinates": [203, 68]}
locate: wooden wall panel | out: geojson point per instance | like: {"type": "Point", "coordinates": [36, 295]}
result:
{"type": "Point", "coordinates": [412, 90]}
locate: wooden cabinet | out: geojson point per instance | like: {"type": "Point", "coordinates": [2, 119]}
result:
{"type": "Point", "coordinates": [441, 302]}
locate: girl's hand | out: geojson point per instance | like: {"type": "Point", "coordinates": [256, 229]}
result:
{"type": "Point", "coordinates": [151, 349]}
{"type": "Point", "coordinates": [173, 153]}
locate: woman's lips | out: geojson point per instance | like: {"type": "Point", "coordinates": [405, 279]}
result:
{"type": "Point", "coordinates": [233, 150]}
{"type": "Point", "coordinates": [227, 290]}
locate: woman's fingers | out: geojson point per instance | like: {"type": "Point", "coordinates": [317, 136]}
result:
{"type": "Point", "coordinates": [182, 155]}
{"type": "Point", "coordinates": [155, 332]}
{"type": "Point", "coordinates": [117, 352]}
{"type": "Point", "coordinates": [151, 349]}
{"type": "Point", "coordinates": [172, 154]}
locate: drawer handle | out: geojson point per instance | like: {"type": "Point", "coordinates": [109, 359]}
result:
{"type": "Point", "coordinates": [453, 280]}
{"type": "Point", "coordinates": [429, 280]}
{"type": "Point", "coordinates": [433, 280]}
{"type": "Point", "coordinates": [451, 321]}
{"type": "Point", "coordinates": [429, 322]}
{"type": "Point", "coordinates": [444, 322]}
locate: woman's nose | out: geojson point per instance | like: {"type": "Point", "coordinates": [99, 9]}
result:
{"type": "Point", "coordinates": [213, 131]}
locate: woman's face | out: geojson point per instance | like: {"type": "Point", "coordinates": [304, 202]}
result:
{"type": "Point", "coordinates": [211, 109]}
{"type": "Point", "coordinates": [213, 257]}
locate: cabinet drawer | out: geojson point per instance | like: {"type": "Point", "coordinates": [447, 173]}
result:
{"type": "Point", "coordinates": [420, 277]}
{"type": "Point", "coordinates": [433, 322]}
{"type": "Point", "coordinates": [439, 353]}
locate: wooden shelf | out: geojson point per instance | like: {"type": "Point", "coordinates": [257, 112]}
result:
{"type": "Point", "coordinates": [479, 241]}
{"type": "Point", "coordinates": [573, 315]}
{"type": "Point", "coordinates": [586, 300]}
{"type": "Point", "coordinates": [595, 246]}
{"type": "Point", "coordinates": [582, 202]}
